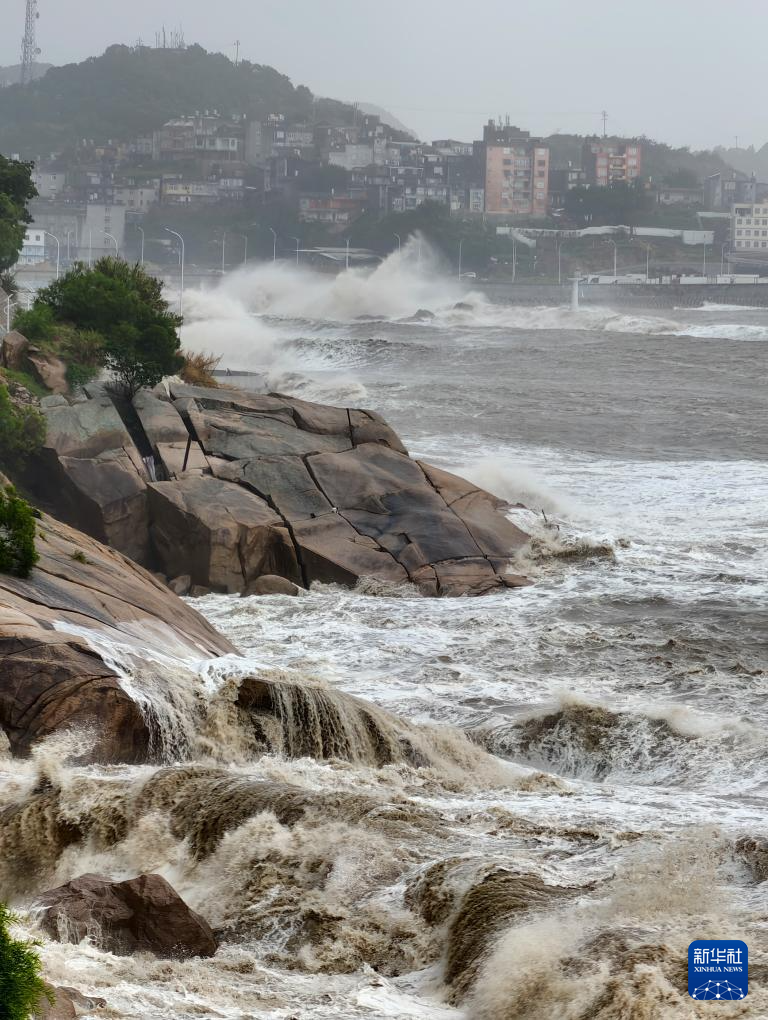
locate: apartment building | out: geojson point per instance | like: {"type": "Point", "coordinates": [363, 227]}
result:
{"type": "Point", "coordinates": [516, 171]}
{"type": "Point", "coordinates": [610, 162]}
{"type": "Point", "coordinates": [749, 227]}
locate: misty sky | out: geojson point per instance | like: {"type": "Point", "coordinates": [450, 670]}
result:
{"type": "Point", "coordinates": [689, 73]}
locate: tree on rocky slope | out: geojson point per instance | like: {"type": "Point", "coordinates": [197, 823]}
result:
{"type": "Point", "coordinates": [125, 307]}
{"type": "Point", "coordinates": [16, 191]}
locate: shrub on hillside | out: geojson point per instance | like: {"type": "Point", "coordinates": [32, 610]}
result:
{"type": "Point", "coordinates": [22, 988]}
{"type": "Point", "coordinates": [22, 431]}
{"type": "Point", "coordinates": [36, 323]}
{"type": "Point", "coordinates": [17, 536]}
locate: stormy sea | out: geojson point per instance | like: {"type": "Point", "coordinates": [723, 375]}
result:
{"type": "Point", "coordinates": [532, 802]}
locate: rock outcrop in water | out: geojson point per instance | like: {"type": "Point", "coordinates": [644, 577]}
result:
{"type": "Point", "coordinates": [50, 676]}
{"type": "Point", "coordinates": [143, 914]}
{"type": "Point", "coordinates": [227, 486]}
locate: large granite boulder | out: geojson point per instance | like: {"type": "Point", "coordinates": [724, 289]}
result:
{"type": "Point", "coordinates": [222, 535]}
{"type": "Point", "coordinates": [238, 485]}
{"type": "Point", "coordinates": [93, 476]}
{"type": "Point", "coordinates": [80, 598]}
{"type": "Point", "coordinates": [143, 914]}
{"type": "Point", "coordinates": [13, 351]}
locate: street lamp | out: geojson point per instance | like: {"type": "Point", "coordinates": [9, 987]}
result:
{"type": "Point", "coordinates": [141, 231]}
{"type": "Point", "coordinates": [722, 258]}
{"type": "Point", "coordinates": [69, 249]}
{"type": "Point", "coordinates": [399, 243]}
{"type": "Point", "coordinates": [58, 251]}
{"type": "Point", "coordinates": [298, 246]}
{"type": "Point", "coordinates": [461, 245]}
{"type": "Point", "coordinates": [274, 244]}
{"type": "Point", "coordinates": [181, 291]}
{"type": "Point", "coordinates": [559, 264]}
{"type": "Point", "coordinates": [704, 267]}
{"type": "Point", "coordinates": [223, 252]}
{"type": "Point", "coordinates": [114, 240]}
{"type": "Point", "coordinates": [346, 266]}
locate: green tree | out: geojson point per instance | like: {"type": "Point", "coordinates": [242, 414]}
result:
{"type": "Point", "coordinates": [22, 432]}
{"type": "Point", "coordinates": [22, 988]}
{"type": "Point", "coordinates": [125, 307]}
{"type": "Point", "coordinates": [17, 556]}
{"type": "Point", "coordinates": [16, 191]}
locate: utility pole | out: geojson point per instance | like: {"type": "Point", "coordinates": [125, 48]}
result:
{"type": "Point", "coordinates": [237, 52]}
{"type": "Point", "coordinates": [29, 49]}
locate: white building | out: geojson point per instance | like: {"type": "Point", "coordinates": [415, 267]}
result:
{"type": "Point", "coordinates": [749, 227]}
{"type": "Point", "coordinates": [33, 252]}
{"type": "Point", "coordinates": [49, 185]}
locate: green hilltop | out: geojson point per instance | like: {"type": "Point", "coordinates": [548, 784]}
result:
{"type": "Point", "coordinates": [129, 91]}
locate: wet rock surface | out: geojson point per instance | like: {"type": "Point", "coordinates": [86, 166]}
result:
{"type": "Point", "coordinates": [51, 676]}
{"type": "Point", "coordinates": [227, 486]}
{"type": "Point", "coordinates": [143, 914]}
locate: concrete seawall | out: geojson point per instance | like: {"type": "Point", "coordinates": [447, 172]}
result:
{"type": "Point", "coordinates": [629, 295]}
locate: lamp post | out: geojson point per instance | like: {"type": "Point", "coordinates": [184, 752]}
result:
{"type": "Point", "coordinates": [461, 245]}
{"type": "Point", "coordinates": [399, 243]}
{"type": "Point", "coordinates": [58, 251]}
{"type": "Point", "coordinates": [514, 260]}
{"type": "Point", "coordinates": [559, 264]}
{"type": "Point", "coordinates": [181, 291]}
{"type": "Point", "coordinates": [704, 266]}
{"type": "Point", "coordinates": [298, 246]}
{"type": "Point", "coordinates": [141, 231]}
{"type": "Point", "coordinates": [90, 248]}
{"type": "Point", "coordinates": [245, 246]}
{"type": "Point", "coordinates": [223, 252]}
{"type": "Point", "coordinates": [114, 240]}
{"type": "Point", "coordinates": [274, 244]}
{"type": "Point", "coordinates": [69, 248]}
{"type": "Point", "coordinates": [722, 258]}
{"type": "Point", "coordinates": [346, 264]}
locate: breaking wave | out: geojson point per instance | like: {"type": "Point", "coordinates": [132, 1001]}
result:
{"type": "Point", "coordinates": [664, 745]}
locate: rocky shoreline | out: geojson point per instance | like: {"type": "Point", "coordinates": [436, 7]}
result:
{"type": "Point", "coordinates": [221, 487]}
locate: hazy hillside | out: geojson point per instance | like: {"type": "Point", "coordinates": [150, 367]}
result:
{"type": "Point", "coordinates": [663, 163]}
{"type": "Point", "coordinates": [12, 74]}
{"type": "Point", "coordinates": [128, 91]}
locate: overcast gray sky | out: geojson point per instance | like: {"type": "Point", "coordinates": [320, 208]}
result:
{"type": "Point", "coordinates": [685, 72]}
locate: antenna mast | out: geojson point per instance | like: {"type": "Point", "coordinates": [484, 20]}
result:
{"type": "Point", "coordinates": [29, 50]}
{"type": "Point", "coordinates": [605, 123]}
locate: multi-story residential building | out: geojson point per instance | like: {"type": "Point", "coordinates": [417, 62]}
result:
{"type": "Point", "coordinates": [204, 136]}
{"type": "Point", "coordinates": [33, 250]}
{"type": "Point", "coordinates": [49, 184]}
{"type": "Point", "coordinates": [137, 197]}
{"type": "Point", "coordinates": [333, 210]}
{"type": "Point", "coordinates": [610, 162]}
{"type": "Point", "coordinates": [82, 229]}
{"type": "Point", "coordinates": [516, 171]}
{"type": "Point", "coordinates": [749, 228]}
{"type": "Point", "coordinates": [179, 192]}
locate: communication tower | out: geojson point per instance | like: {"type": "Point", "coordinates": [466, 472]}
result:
{"type": "Point", "coordinates": [29, 49]}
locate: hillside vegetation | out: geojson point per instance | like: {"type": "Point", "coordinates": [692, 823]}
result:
{"type": "Point", "coordinates": [129, 91]}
